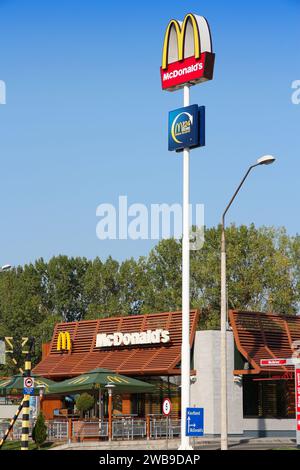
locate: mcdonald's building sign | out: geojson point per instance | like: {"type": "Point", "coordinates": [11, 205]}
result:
{"type": "Point", "coordinates": [64, 341]}
{"type": "Point", "coordinates": [187, 53]}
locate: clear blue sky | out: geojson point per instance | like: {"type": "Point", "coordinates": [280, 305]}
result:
{"type": "Point", "coordinates": [86, 119]}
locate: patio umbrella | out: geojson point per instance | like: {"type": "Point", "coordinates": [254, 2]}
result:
{"type": "Point", "coordinates": [14, 385]}
{"type": "Point", "coordinates": [97, 379]}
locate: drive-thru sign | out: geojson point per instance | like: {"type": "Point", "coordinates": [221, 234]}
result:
{"type": "Point", "coordinates": [290, 361]}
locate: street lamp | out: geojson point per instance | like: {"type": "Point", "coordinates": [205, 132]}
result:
{"type": "Point", "coordinates": [265, 160]}
{"type": "Point", "coordinates": [41, 388]}
{"type": "Point", "coordinates": [110, 388]}
{"type": "Point", "coordinates": [4, 268]}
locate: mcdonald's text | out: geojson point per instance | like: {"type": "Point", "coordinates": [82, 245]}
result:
{"type": "Point", "coordinates": [128, 339]}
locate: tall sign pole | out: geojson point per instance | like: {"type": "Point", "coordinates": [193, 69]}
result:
{"type": "Point", "coordinates": [185, 343]}
{"type": "Point", "coordinates": [187, 60]}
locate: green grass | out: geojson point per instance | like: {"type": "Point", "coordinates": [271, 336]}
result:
{"type": "Point", "coordinates": [16, 445]}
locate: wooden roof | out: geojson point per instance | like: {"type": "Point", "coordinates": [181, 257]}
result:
{"type": "Point", "coordinates": [160, 359]}
{"type": "Point", "coordinates": [264, 336]}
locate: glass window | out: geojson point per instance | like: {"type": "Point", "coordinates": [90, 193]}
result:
{"type": "Point", "coordinates": [267, 398]}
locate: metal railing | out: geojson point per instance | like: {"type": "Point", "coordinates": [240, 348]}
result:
{"type": "Point", "coordinates": [164, 428]}
{"type": "Point", "coordinates": [57, 430]}
{"type": "Point", "coordinates": [128, 428]}
{"type": "Point", "coordinates": [97, 429]}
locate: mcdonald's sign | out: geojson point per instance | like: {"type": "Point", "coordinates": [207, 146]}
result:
{"type": "Point", "coordinates": [64, 341]}
{"type": "Point", "coordinates": [187, 53]}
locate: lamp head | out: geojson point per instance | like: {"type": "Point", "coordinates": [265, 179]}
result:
{"type": "Point", "coordinates": [266, 160]}
{"type": "Point", "coordinates": [6, 267]}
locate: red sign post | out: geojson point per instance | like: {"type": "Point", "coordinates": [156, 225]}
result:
{"type": "Point", "coordinates": [297, 389]}
{"type": "Point", "coordinates": [291, 361]}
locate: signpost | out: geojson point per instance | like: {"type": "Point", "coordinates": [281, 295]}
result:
{"type": "Point", "coordinates": [28, 386]}
{"type": "Point", "coordinates": [167, 407]}
{"type": "Point", "coordinates": [2, 352]}
{"type": "Point", "coordinates": [291, 361]}
{"type": "Point", "coordinates": [187, 59]}
{"type": "Point", "coordinates": [195, 422]}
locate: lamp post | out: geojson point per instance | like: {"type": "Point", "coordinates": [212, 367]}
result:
{"type": "Point", "coordinates": [110, 388]}
{"type": "Point", "coordinates": [41, 389]}
{"type": "Point", "coordinates": [4, 268]}
{"type": "Point", "coordinates": [265, 160]}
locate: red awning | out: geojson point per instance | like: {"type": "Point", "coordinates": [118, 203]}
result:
{"type": "Point", "coordinates": [264, 336]}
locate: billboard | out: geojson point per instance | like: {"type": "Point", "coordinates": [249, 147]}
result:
{"type": "Point", "coordinates": [186, 128]}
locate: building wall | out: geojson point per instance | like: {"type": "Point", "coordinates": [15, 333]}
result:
{"type": "Point", "coordinates": [8, 411]}
{"type": "Point", "coordinates": [266, 427]}
{"type": "Point", "coordinates": [206, 390]}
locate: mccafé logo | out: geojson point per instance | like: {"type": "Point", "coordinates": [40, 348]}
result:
{"type": "Point", "coordinates": [181, 126]}
{"type": "Point", "coordinates": [64, 341]}
{"type": "Point", "coordinates": [129, 339]}
{"type": "Point", "coordinates": [187, 53]}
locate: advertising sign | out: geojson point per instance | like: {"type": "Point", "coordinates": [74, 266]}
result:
{"type": "Point", "coordinates": [187, 53]}
{"type": "Point", "coordinates": [195, 422]}
{"type": "Point", "coordinates": [186, 128]}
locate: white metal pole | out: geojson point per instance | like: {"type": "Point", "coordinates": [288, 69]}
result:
{"type": "Point", "coordinates": [223, 352]}
{"type": "Point", "coordinates": [185, 345]}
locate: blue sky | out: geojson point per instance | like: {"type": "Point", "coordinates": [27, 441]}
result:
{"type": "Point", "coordinates": [86, 119]}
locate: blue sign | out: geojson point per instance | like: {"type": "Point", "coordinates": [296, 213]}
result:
{"type": "Point", "coordinates": [28, 390]}
{"type": "Point", "coordinates": [194, 422]}
{"type": "Point", "coordinates": [186, 128]}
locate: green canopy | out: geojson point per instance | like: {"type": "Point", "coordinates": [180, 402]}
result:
{"type": "Point", "coordinates": [97, 379]}
{"type": "Point", "coordinates": [14, 385]}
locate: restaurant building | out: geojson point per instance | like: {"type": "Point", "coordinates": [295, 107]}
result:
{"type": "Point", "coordinates": [261, 402]}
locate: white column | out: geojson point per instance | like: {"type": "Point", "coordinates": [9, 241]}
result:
{"type": "Point", "coordinates": [185, 345]}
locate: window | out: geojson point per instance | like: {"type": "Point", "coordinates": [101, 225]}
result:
{"type": "Point", "coordinates": [267, 399]}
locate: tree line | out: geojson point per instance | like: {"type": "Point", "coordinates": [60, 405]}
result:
{"type": "Point", "coordinates": [263, 274]}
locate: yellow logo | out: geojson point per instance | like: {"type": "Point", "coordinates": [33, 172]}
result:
{"type": "Point", "coordinates": [116, 379]}
{"type": "Point", "coordinates": [179, 128]}
{"type": "Point", "coordinates": [63, 341]}
{"type": "Point", "coordinates": [191, 37]}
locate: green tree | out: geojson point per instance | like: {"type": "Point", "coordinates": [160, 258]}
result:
{"type": "Point", "coordinates": [39, 432]}
{"type": "Point", "coordinates": [84, 403]}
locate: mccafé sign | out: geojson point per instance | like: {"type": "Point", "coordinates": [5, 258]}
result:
{"type": "Point", "coordinates": [157, 336]}
{"type": "Point", "coordinates": [187, 53]}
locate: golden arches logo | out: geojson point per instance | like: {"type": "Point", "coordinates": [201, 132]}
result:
{"type": "Point", "coordinates": [64, 341]}
{"type": "Point", "coordinates": [117, 380]}
{"type": "Point", "coordinates": [193, 30]}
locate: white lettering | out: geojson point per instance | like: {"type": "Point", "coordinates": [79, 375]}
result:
{"type": "Point", "coordinates": [127, 339]}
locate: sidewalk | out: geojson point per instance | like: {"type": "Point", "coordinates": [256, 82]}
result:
{"type": "Point", "coordinates": [173, 444]}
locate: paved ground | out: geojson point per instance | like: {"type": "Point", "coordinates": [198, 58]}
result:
{"type": "Point", "coordinates": [203, 444]}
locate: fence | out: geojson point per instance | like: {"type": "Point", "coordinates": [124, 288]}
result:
{"type": "Point", "coordinates": [122, 428]}
{"type": "Point", "coordinates": [90, 429]}
{"type": "Point", "coordinates": [129, 428]}
{"type": "Point", "coordinates": [166, 428]}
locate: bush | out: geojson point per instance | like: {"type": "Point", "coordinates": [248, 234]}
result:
{"type": "Point", "coordinates": [84, 403]}
{"type": "Point", "coordinates": [39, 432]}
